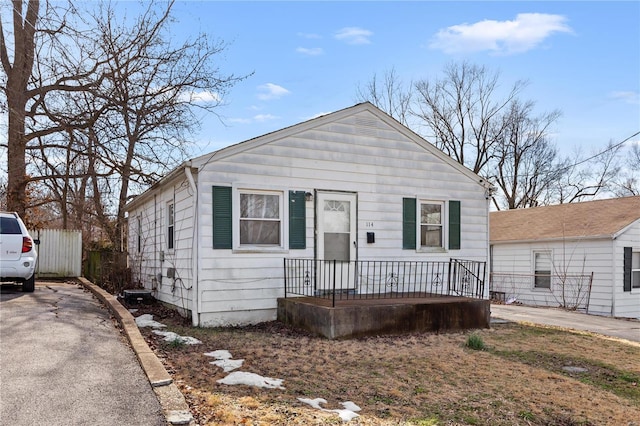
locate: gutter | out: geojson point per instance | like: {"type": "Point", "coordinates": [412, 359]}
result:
{"type": "Point", "coordinates": [555, 239]}
{"type": "Point", "coordinates": [195, 300]}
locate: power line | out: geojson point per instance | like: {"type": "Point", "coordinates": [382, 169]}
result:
{"type": "Point", "coordinates": [611, 148]}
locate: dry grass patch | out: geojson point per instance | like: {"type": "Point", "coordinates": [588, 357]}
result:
{"type": "Point", "coordinates": [419, 379]}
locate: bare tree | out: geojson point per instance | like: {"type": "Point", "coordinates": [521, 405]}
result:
{"type": "Point", "coordinates": [462, 112]}
{"type": "Point", "coordinates": [33, 66]}
{"type": "Point", "coordinates": [584, 179]}
{"type": "Point", "coordinates": [628, 183]}
{"type": "Point", "coordinates": [15, 89]}
{"type": "Point", "coordinates": [526, 160]}
{"type": "Point", "coordinates": [390, 95]}
{"type": "Point", "coordinates": [97, 111]}
{"type": "Point", "coordinates": [151, 88]}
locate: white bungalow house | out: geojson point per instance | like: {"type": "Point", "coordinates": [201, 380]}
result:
{"type": "Point", "coordinates": [211, 236]}
{"type": "Point", "coordinates": [581, 255]}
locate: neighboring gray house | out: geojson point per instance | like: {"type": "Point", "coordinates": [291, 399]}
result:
{"type": "Point", "coordinates": [211, 236]}
{"type": "Point", "coordinates": [579, 255]}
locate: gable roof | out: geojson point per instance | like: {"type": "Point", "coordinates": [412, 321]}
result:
{"type": "Point", "coordinates": [203, 160]}
{"type": "Point", "coordinates": [589, 219]}
{"type": "Point", "coordinates": [332, 117]}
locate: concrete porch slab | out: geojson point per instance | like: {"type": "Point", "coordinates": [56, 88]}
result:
{"type": "Point", "coordinates": [370, 317]}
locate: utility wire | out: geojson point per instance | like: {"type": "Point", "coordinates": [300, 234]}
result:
{"type": "Point", "coordinates": [570, 166]}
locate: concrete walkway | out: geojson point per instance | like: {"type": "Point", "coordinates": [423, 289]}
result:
{"type": "Point", "coordinates": [606, 326]}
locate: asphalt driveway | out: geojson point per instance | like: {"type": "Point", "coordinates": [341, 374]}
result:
{"type": "Point", "coordinates": [63, 362]}
{"type": "Point", "coordinates": [606, 326]}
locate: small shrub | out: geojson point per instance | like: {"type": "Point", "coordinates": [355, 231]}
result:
{"type": "Point", "coordinates": [176, 344]}
{"type": "Point", "coordinates": [475, 342]}
{"type": "Point", "coordinates": [526, 415]}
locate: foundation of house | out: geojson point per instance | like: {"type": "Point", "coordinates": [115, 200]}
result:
{"type": "Point", "coordinates": [370, 317]}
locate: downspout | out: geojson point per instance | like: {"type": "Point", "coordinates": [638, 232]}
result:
{"type": "Point", "coordinates": [195, 302]}
{"type": "Point", "coordinates": [488, 268]}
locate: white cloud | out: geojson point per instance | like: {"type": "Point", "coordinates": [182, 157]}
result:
{"type": "Point", "coordinates": [258, 118]}
{"type": "Point", "coordinates": [314, 51]}
{"type": "Point", "coordinates": [203, 97]}
{"type": "Point", "coordinates": [270, 91]}
{"type": "Point", "coordinates": [628, 97]}
{"type": "Point", "coordinates": [264, 117]}
{"type": "Point", "coordinates": [524, 33]}
{"type": "Point", "coordinates": [354, 35]}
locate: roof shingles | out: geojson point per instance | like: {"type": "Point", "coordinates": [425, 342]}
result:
{"type": "Point", "coordinates": [597, 218]}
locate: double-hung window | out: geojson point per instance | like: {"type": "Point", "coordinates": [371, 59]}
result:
{"type": "Point", "coordinates": [170, 226]}
{"type": "Point", "coordinates": [260, 218]}
{"type": "Point", "coordinates": [542, 269]}
{"type": "Point", "coordinates": [431, 224]}
{"type": "Point", "coordinates": [635, 269]}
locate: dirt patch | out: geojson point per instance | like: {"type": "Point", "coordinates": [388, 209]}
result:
{"type": "Point", "coordinates": [417, 379]}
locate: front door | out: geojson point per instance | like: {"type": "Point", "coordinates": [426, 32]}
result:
{"type": "Point", "coordinates": [336, 240]}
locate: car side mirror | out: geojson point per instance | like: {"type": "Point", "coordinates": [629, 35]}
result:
{"type": "Point", "coordinates": [36, 241]}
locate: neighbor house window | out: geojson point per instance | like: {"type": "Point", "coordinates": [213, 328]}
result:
{"type": "Point", "coordinates": [260, 218]}
{"type": "Point", "coordinates": [542, 269]}
{"type": "Point", "coordinates": [431, 224]}
{"type": "Point", "coordinates": [170, 226]}
{"type": "Point", "coordinates": [635, 269]}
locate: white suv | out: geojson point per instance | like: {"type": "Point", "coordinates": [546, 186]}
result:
{"type": "Point", "coordinates": [17, 252]}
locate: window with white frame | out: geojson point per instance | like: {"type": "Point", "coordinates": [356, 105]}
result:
{"type": "Point", "coordinates": [635, 269]}
{"type": "Point", "coordinates": [260, 218]}
{"type": "Point", "coordinates": [170, 226]}
{"type": "Point", "coordinates": [431, 224]}
{"type": "Point", "coordinates": [542, 269]}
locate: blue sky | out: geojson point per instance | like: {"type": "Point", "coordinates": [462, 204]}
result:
{"type": "Point", "coordinates": [308, 58]}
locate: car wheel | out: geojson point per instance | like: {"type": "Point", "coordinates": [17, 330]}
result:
{"type": "Point", "coordinates": [29, 284]}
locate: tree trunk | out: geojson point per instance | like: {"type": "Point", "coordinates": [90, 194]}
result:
{"type": "Point", "coordinates": [18, 75]}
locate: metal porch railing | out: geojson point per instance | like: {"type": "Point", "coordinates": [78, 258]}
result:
{"type": "Point", "coordinates": [378, 279]}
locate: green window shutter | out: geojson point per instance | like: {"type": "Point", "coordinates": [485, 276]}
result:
{"type": "Point", "coordinates": [297, 220]}
{"type": "Point", "coordinates": [627, 268]}
{"type": "Point", "coordinates": [409, 223]}
{"type": "Point", "coordinates": [454, 225]}
{"type": "Point", "coordinates": [222, 218]}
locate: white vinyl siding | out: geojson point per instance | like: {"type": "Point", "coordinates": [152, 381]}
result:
{"type": "Point", "coordinates": [151, 265]}
{"type": "Point", "coordinates": [357, 153]}
{"type": "Point", "coordinates": [380, 165]}
{"type": "Point", "coordinates": [602, 257]}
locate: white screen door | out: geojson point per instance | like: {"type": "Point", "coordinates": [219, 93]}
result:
{"type": "Point", "coordinates": [336, 213]}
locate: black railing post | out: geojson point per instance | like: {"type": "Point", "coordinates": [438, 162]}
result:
{"type": "Point", "coordinates": [333, 293]}
{"type": "Point", "coordinates": [285, 277]}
